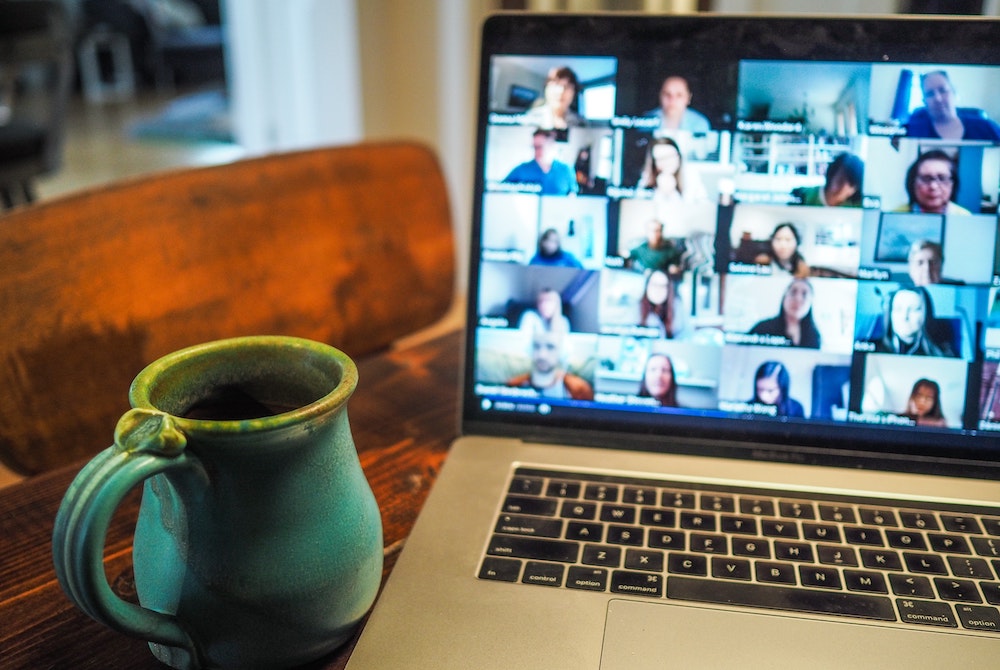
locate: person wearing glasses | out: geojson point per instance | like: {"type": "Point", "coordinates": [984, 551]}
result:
{"type": "Point", "coordinates": [932, 184]}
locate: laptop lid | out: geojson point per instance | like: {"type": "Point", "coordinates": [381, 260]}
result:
{"type": "Point", "coordinates": [774, 238]}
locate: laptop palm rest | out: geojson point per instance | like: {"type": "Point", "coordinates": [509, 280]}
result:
{"type": "Point", "coordinates": [646, 635]}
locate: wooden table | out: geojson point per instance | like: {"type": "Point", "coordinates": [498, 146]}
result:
{"type": "Point", "coordinates": [403, 416]}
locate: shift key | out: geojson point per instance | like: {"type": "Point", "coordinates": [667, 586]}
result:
{"type": "Point", "coordinates": [533, 548]}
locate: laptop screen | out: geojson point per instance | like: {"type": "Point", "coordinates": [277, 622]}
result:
{"type": "Point", "coordinates": [775, 231]}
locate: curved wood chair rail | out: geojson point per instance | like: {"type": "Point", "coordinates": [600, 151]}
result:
{"type": "Point", "coordinates": [352, 246]}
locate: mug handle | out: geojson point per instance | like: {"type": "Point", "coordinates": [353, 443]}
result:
{"type": "Point", "coordinates": [147, 443]}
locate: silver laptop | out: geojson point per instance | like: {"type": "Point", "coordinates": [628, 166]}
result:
{"type": "Point", "coordinates": [731, 393]}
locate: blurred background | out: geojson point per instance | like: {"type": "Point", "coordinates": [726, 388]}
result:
{"type": "Point", "coordinates": [156, 84]}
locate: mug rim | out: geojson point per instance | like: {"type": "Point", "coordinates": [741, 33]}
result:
{"type": "Point", "coordinates": [141, 390]}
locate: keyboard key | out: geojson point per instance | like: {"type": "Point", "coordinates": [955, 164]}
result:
{"type": "Point", "coordinates": [821, 532]}
{"type": "Point", "coordinates": [601, 493]}
{"type": "Point", "coordinates": [588, 579]}
{"type": "Point", "coordinates": [534, 548]}
{"type": "Point", "coordinates": [926, 613]}
{"type": "Point", "coordinates": [745, 525]}
{"type": "Point", "coordinates": [881, 559]}
{"type": "Point", "coordinates": [578, 510]}
{"type": "Point", "coordinates": [584, 532]}
{"type": "Point", "coordinates": [563, 490]}
{"type": "Point", "coordinates": [834, 555]}
{"type": "Point", "coordinates": [526, 505]}
{"type": "Point", "coordinates": [972, 568]}
{"type": "Point", "coordinates": [661, 539]}
{"type": "Point", "coordinates": [618, 513]}
{"type": "Point", "coordinates": [962, 590]}
{"type": "Point", "coordinates": [992, 526]}
{"type": "Point", "coordinates": [977, 617]}
{"type": "Point", "coordinates": [793, 551]}
{"type": "Point", "coordinates": [630, 535]}
{"type": "Point", "coordinates": [751, 546]}
{"type": "Point", "coordinates": [654, 516]}
{"type": "Point", "coordinates": [961, 524]}
{"type": "Point", "coordinates": [696, 521]}
{"type": "Point", "coordinates": [731, 568]}
{"type": "Point", "coordinates": [824, 578]}
{"type": "Point", "coordinates": [718, 503]}
{"type": "Point", "coordinates": [775, 573]}
{"type": "Point", "coordinates": [527, 485]}
{"type": "Point", "coordinates": [543, 574]}
{"type": "Point", "coordinates": [609, 557]}
{"type": "Point", "coordinates": [863, 536]}
{"type": "Point", "coordinates": [639, 496]}
{"type": "Point", "coordinates": [838, 513]}
{"type": "Point", "coordinates": [644, 559]}
{"type": "Point", "coordinates": [901, 539]}
{"type": "Point", "coordinates": [949, 544]}
{"type": "Point", "coordinates": [986, 546]}
{"type": "Point", "coordinates": [992, 592]}
{"type": "Point", "coordinates": [708, 544]}
{"type": "Point", "coordinates": [687, 564]}
{"type": "Point", "coordinates": [911, 586]}
{"type": "Point", "coordinates": [877, 517]}
{"type": "Point", "coordinates": [757, 506]}
{"type": "Point", "coordinates": [919, 520]}
{"type": "Point", "coordinates": [794, 509]}
{"type": "Point", "coordinates": [518, 524]}
{"type": "Point", "coordinates": [838, 603]}
{"type": "Point", "coordinates": [637, 583]}
{"type": "Point", "coordinates": [775, 528]}
{"type": "Point", "coordinates": [677, 500]}
{"type": "Point", "coordinates": [866, 582]}
{"type": "Point", "coordinates": [929, 564]}
{"type": "Point", "coordinates": [500, 569]}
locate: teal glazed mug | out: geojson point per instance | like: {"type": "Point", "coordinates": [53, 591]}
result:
{"type": "Point", "coordinates": [259, 541]}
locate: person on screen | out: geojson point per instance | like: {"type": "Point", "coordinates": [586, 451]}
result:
{"type": "Point", "coordinates": [924, 404]}
{"type": "Point", "coordinates": [547, 375]}
{"type": "Point", "coordinates": [547, 314]}
{"type": "Point", "coordinates": [771, 387]}
{"type": "Point", "coordinates": [551, 254]}
{"type": "Point", "coordinates": [932, 185]}
{"type": "Point", "coordinates": [657, 252]}
{"type": "Point", "coordinates": [905, 321]}
{"type": "Point", "coordinates": [658, 380]}
{"type": "Point", "coordinates": [794, 320]}
{"type": "Point", "coordinates": [659, 306]}
{"type": "Point", "coordinates": [554, 110]}
{"type": "Point", "coordinates": [844, 177]}
{"type": "Point", "coordinates": [552, 175]}
{"type": "Point", "coordinates": [675, 111]}
{"type": "Point", "coordinates": [783, 251]}
{"type": "Point", "coordinates": [925, 263]}
{"type": "Point", "coordinates": [662, 173]}
{"type": "Point", "coordinates": [941, 116]}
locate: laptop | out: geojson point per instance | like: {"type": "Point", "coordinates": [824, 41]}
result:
{"type": "Point", "coordinates": [730, 395]}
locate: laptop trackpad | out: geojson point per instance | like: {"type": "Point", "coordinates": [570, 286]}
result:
{"type": "Point", "coordinates": [641, 636]}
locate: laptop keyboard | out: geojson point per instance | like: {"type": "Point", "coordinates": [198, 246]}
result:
{"type": "Point", "coordinates": [870, 559]}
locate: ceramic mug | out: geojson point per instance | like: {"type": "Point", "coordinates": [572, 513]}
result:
{"type": "Point", "coordinates": [259, 542]}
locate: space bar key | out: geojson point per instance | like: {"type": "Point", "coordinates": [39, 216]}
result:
{"type": "Point", "coordinates": [779, 598]}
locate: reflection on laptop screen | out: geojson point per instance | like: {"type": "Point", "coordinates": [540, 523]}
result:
{"type": "Point", "coordinates": [757, 245]}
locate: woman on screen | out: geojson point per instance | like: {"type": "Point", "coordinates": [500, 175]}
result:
{"type": "Point", "coordinates": [844, 176]}
{"type": "Point", "coordinates": [554, 111]}
{"type": "Point", "coordinates": [932, 185]}
{"type": "Point", "coordinates": [905, 320]}
{"type": "Point", "coordinates": [771, 384]}
{"type": "Point", "coordinates": [659, 306]}
{"type": "Point", "coordinates": [924, 404]}
{"type": "Point", "coordinates": [794, 320]}
{"type": "Point", "coordinates": [658, 381]}
{"type": "Point", "coordinates": [783, 251]}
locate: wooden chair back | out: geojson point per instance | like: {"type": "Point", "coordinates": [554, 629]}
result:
{"type": "Point", "coordinates": [352, 246]}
